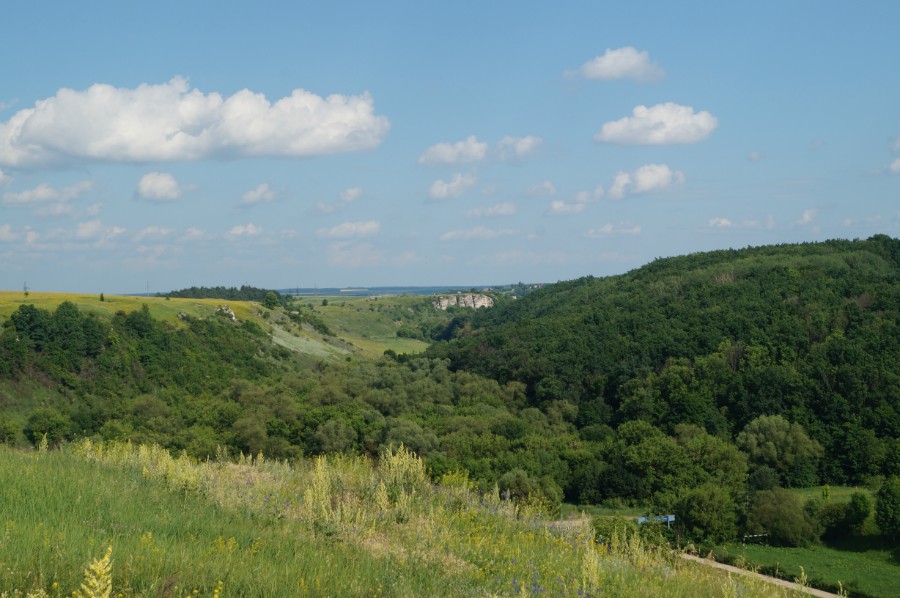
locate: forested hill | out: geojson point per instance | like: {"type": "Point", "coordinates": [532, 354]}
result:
{"type": "Point", "coordinates": [245, 293]}
{"type": "Point", "coordinates": [808, 331]}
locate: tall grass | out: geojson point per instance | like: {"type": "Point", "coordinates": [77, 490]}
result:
{"type": "Point", "coordinates": [337, 526]}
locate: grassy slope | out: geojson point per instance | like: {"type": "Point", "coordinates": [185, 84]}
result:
{"type": "Point", "coordinates": [367, 322]}
{"type": "Point", "coordinates": [266, 529]}
{"type": "Point", "coordinates": [367, 330]}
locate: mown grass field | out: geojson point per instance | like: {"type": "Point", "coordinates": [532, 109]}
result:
{"type": "Point", "coordinates": [332, 527]}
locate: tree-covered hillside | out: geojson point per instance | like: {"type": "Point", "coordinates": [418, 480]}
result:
{"type": "Point", "coordinates": [809, 332]}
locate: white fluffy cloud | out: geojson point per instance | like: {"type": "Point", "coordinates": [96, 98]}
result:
{"type": "Point", "coordinates": [511, 148]}
{"type": "Point", "coordinates": [456, 186]}
{"type": "Point", "coordinates": [479, 232]}
{"type": "Point", "coordinates": [170, 121]}
{"type": "Point", "coordinates": [158, 186]}
{"type": "Point", "coordinates": [895, 165]}
{"type": "Point", "coordinates": [95, 230]}
{"type": "Point", "coordinates": [350, 195]}
{"type": "Point", "coordinates": [542, 188]}
{"type": "Point", "coordinates": [500, 209]}
{"type": "Point", "coordinates": [46, 193]}
{"type": "Point", "coordinates": [262, 194]}
{"type": "Point", "coordinates": [243, 230]}
{"type": "Point", "coordinates": [623, 63]}
{"type": "Point", "coordinates": [563, 208]}
{"type": "Point", "coordinates": [152, 232]}
{"type": "Point", "coordinates": [347, 230]}
{"type": "Point", "coordinates": [609, 229]}
{"type": "Point", "coordinates": [718, 222]}
{"type": "Point", "coordinates": [5, 179]}
{"type": "Point", "coordinates": [649, 177]}
{"type": "Point", "coordinates": [659, 124]}
{"type": "Point", "coordinates": [808, 216]}
{"type": "Point", "coordinates": [461, 152]}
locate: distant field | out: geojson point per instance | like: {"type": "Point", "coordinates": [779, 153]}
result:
{"type": "Point", "coordinates": [164, 309]}
{"type": "Point", "coordinates": [370, 323]}
{"type": "Point", "coordinates": [366, 323]}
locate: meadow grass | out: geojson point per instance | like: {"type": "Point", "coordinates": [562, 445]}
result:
{"type": "Point", "coordinates": [160, 308]}
{"type": "Point", "coordinates": [369, 323]}
{"type": "Point", "coordinates": [872, 569]}
{"type": "Point", "coordinates": [336, 526]}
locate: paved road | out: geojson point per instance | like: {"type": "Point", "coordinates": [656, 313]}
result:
{"type": "Point", "coordinates": [775, 580]}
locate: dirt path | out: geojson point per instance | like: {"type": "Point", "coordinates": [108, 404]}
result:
{"type": "Point", "coordinates": [775, 580]}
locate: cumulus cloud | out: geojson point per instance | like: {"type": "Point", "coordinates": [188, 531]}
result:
{"type": "Point", "coordinates": [244, 230]}
{"type": "Point", "coordinates": [46, 193]}
{"type": "Point", "coordinates": [500, 209]}
{"type": "Point", "coordinates": [479, 232]}
{"type": "Point", "coordinates": [347, 230]}
{"type": "Point", "coordinates": [895, 165]}
{"type": "Point", "coordinates": [158, 186]}
{"type": "Point", "coordinates": [55, 209]}
{"type": "Point", "coordinates": [659, 124]}
{"type": "Point", "coordinates": [718, 222]}
{"type": "Point", "coordinates": [347, 196]}
{"type": "Point", "coordinates": [94, 230]}
{"type": "Point", "coordinates": [563, 208]}
{"type": "Point", "coordinates": [609, 229]}
{"type": "Point", "coordinates": [461, 152]}
{"type": "Point", "coordinates": [623, 63]}
{"type": "Point", "coordinates": [350, 195]}
{"type": "Point", "coordinates": [456, 186]}
{"type": "Point", "coordinates": [7, 233]}
{"type": "Point", "coordinates": [261, 194]}
{"type": "Point", "coordinates": [170, 121]}
{"type": "Point", "coordinates": [542, 188]}
{"type": "Point", "coordinates": [649, 177]}
{"type": "Point", "coordinates": [808, 216]}
{"type": "Point", "coordinates": [511, 148]}
{"type": "Point", "coordinates": [5, 179]}
{"type": "Point", "coordinates": [154, 232]}
{"type": "Point", "coordinates": [587, 196]}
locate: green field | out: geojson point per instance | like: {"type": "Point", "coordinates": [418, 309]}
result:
{"type": "Point", "coordinates": [360, 323]}
{"type": "Point", "coordinates": [864, 565]}
{"type": "Point", "coordinates": [371, 323]}
{"type": "Point", "coordinates": [337, 526]}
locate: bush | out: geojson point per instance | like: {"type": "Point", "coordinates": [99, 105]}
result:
{"type": "Point", "coordinates": [708, 514]}
{"type": "Point", "coordinates": [887, 507]}
{"type": "Point", "coordinates": [781, 515]}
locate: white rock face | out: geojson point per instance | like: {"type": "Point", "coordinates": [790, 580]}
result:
{"type": "Point", "coordinates": [462, 300]}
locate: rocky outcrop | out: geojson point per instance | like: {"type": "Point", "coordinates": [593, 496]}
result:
{"type": "Point", "coordinates": [226, 311]}
{"type": "Point", "coordinates": [462, 300]}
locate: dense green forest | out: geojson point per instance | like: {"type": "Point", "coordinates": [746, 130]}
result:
{"type": "Point", "coordinates": [245, 293]}
{"type": "Point", "coordinates": [696, 385]}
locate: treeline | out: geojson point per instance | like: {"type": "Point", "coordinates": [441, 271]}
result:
{"type": "Point", "coordinates": [805, 332]}
{"type": "Point", "coordinates": [244, 293]}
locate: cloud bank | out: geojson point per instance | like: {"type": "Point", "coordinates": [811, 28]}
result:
{"type": "Point", "coordinates": [171, 122]}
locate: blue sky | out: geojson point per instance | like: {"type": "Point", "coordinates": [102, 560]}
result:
{"type": "Point", "coordinates": [173, 144]}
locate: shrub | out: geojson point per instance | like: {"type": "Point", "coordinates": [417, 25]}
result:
{"type": "Point", "coordinates": [887, 507]}
{"type": "Point", "coordinates": [781, 515]}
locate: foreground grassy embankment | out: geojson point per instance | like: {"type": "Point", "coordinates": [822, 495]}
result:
{"type": "Point", "coordinates": [335, 526]}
